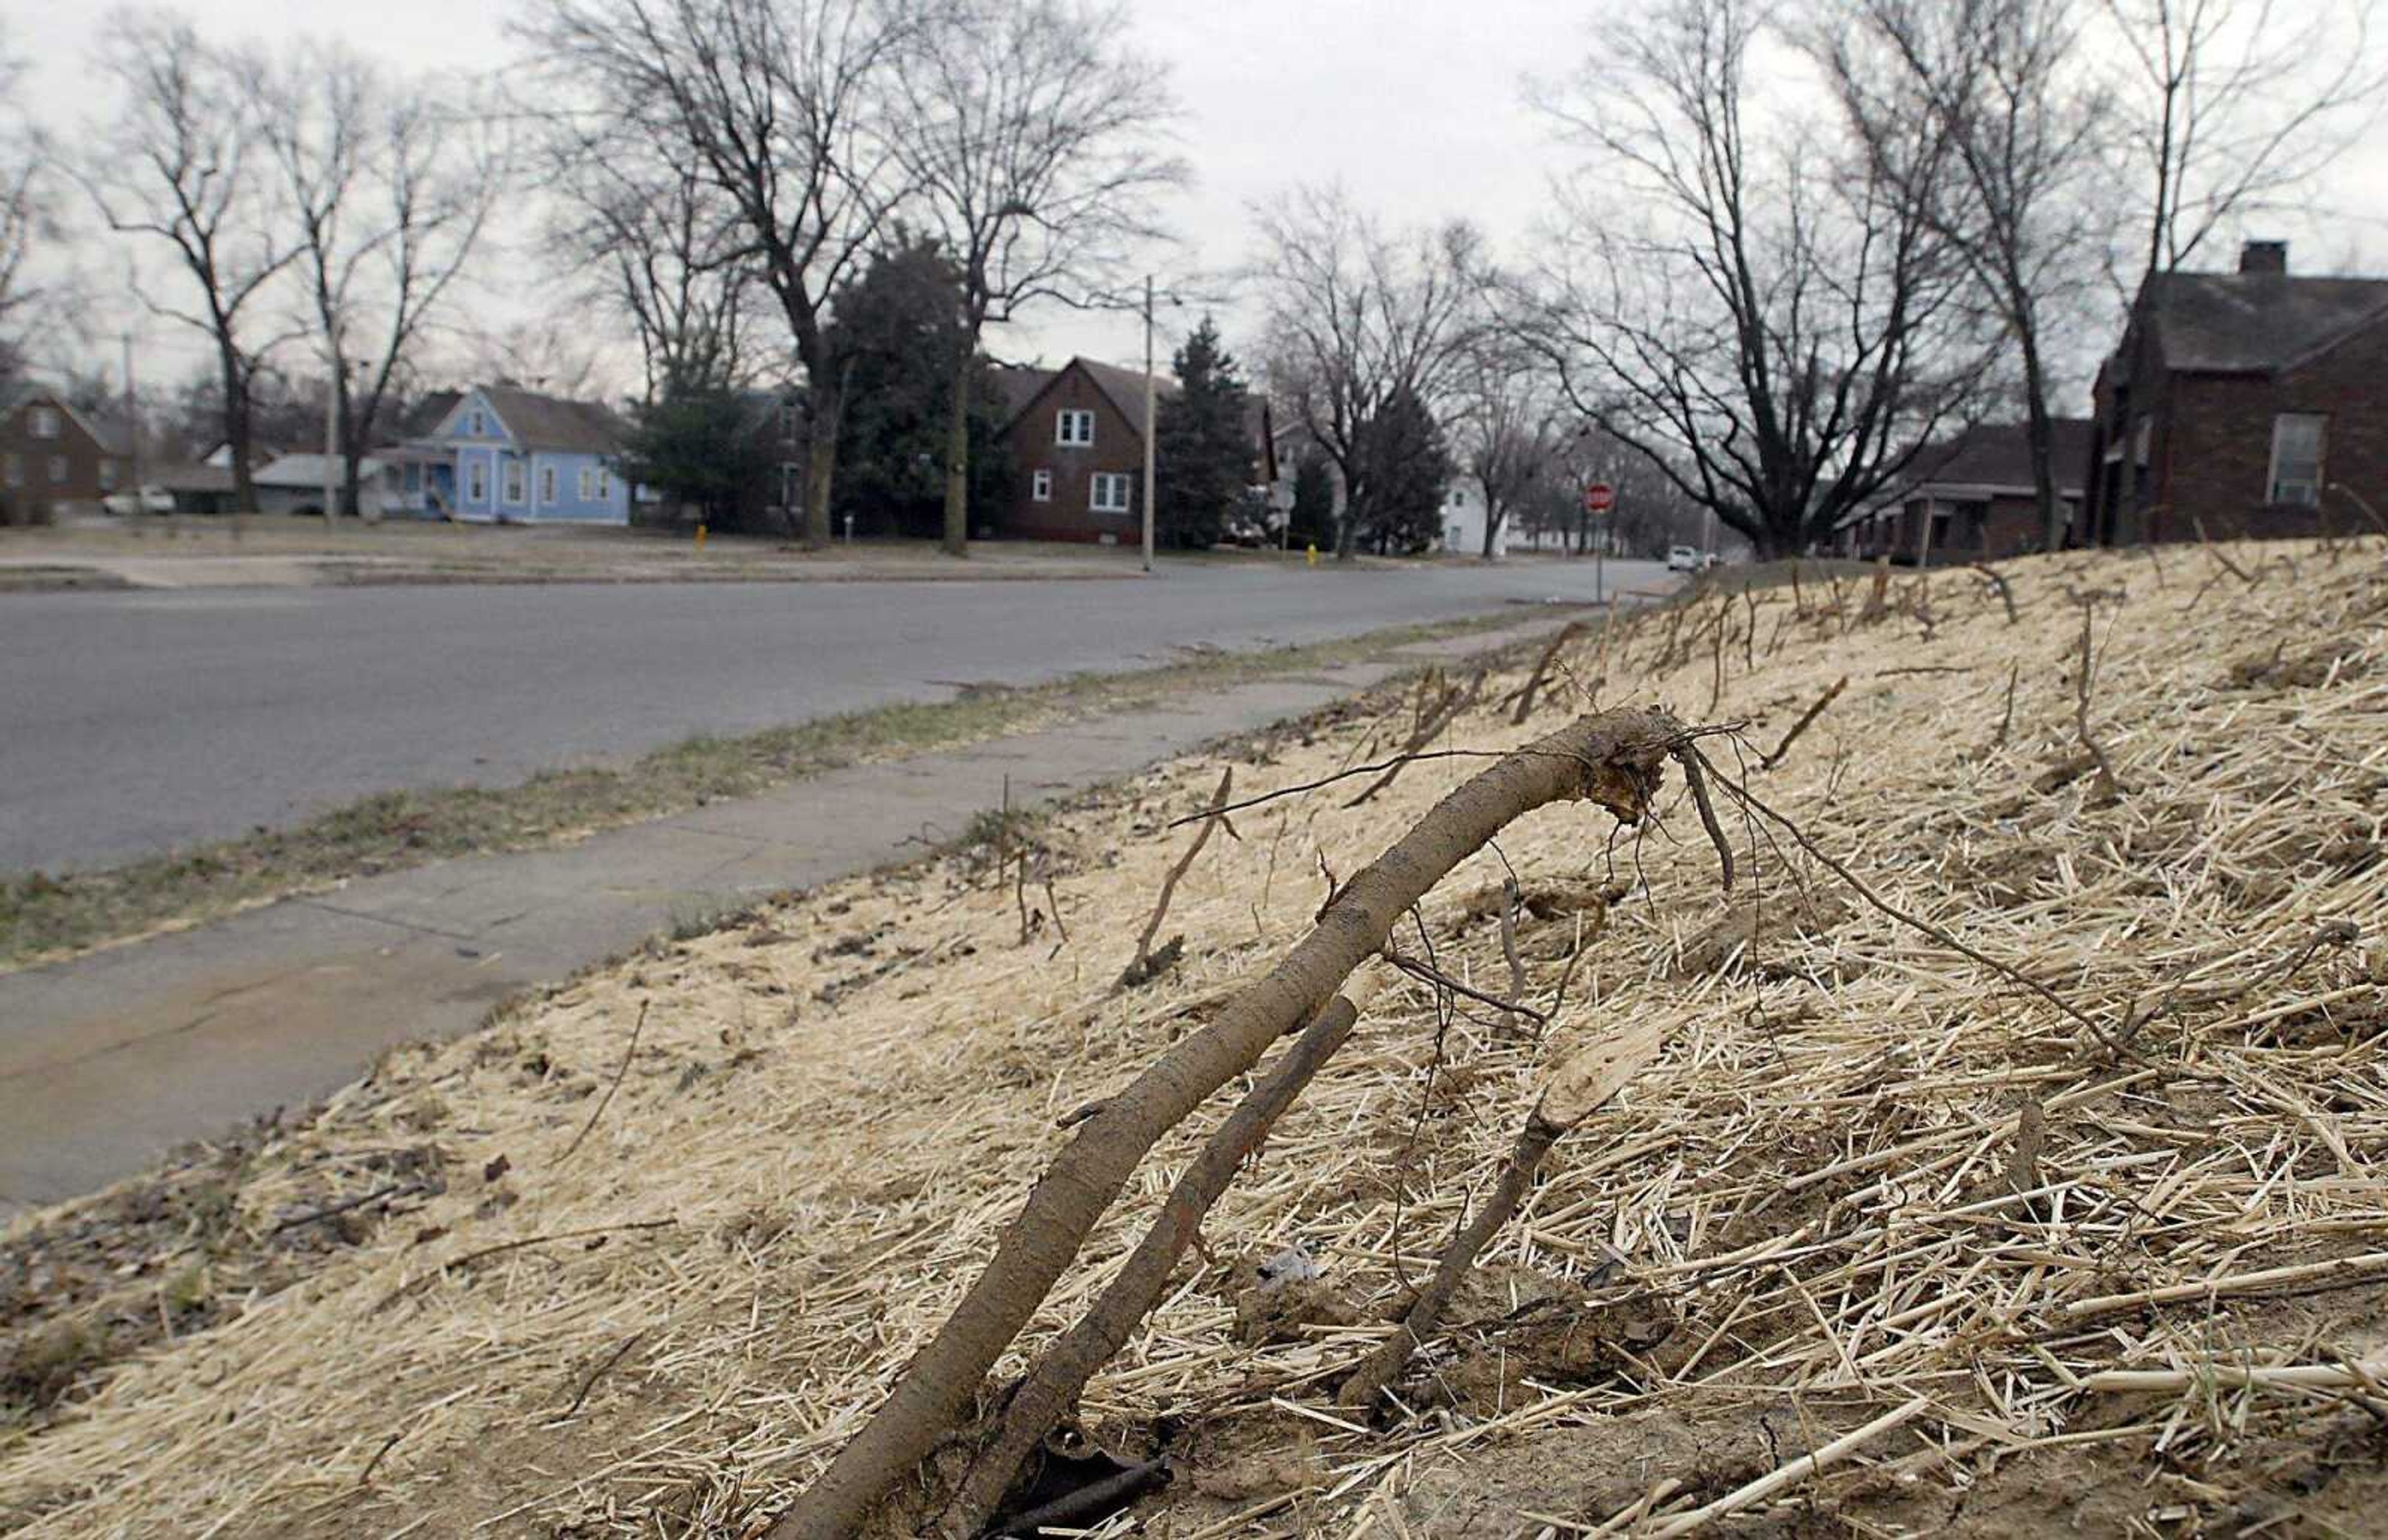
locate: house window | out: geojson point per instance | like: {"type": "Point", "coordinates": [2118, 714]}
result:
{"type": "Point", "coordinates": [57, 470]}
{"type": "Point", "coordinates": [477, 481]}
{"type": "Point", "coordinates": [2296, 459]}
{"type": "Point", "coordinates": [583, 485]}
{"type": "Point", "coordinates": [12, 470]}
{"type": "Point", "coordinates": [45, 421]}
{"type": "Point", "coordinates": [108, 475]}
{"type": "Point", "coordinates": [547, 485]}
{"type": "Point", "coordinates": [1040, 486]}
{"type": "Point", "coordinates": [1109, 493]}
{"type": "Point", "coordinates": [413, 481]}
{"type": "Point", "coordinates": [1074, 429]}
{"type": "Point", "coordinates": [513, 481]}
{"type": "Point", "coordinates": [605, 484]}
{"type": "Point", "coordinates": [476, 426]}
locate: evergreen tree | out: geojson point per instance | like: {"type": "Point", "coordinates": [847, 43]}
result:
{"type": "Point", "coordinates": [1408, 469]}
{"type": "Point", "coordinates": [1313, 503]}
{"type": "Point", "coordinates": [1202, 451]}
{"type": "Point", "coordinates": [708, 449]}
{"type": "Point", "coordinates": [898, 323]}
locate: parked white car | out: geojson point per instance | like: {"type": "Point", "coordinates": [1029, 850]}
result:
{"type": "Point", "coordinates": [1682, 559]}
{"type": "Point", "coordinates": [148, 500]}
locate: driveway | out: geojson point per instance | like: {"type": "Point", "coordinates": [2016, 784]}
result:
{"type": "Point", "coordinates": [132, 722]}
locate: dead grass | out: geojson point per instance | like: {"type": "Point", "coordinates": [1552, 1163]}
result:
{"type": "Point", "coordinates": [1869, 1184]}
{"type": "Point", "coordinates": [47, 916]}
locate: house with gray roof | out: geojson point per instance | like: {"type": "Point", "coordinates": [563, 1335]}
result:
{"type": "Point", "coordinates": [502, 454]}
{"type": "Point", "coordinates": [2241, 403]}
{"type": "Point", "coordinates": [55, 460]}
{"type": "Point", "coordinates": [1970, 497]}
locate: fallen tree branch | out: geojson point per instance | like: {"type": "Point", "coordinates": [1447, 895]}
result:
{"type": "Point", "coordinates": [1583, 1085]}
{"type": "Point", "coordinates": [1054, 1383]}
{"type": "Point", "coordinates": [1616, 759]}
{"type": "Point", "coordinates": [1830, 695]}
{"type": "Point", "coordinates": [1141, 968]}
{"type": "Point", "coordinates": [2108, 786]}
{"type": "Point", "coordinates": [1429, 974]}
{"type": "Point", "coordinates": [1798, 1471]}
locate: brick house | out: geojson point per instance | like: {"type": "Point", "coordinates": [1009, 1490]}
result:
{"type": "Point", "coordinates": [1075, 435]}
{"type": "Point", "coordinates": [2237, 401]}
{"type": "Point", "coordinates": [55, 460]}
{"type": "Point", "coordinates": [1971, 498]}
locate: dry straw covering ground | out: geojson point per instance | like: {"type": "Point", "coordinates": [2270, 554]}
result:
{"type": "Point", "coordinates": [2012, 1161]}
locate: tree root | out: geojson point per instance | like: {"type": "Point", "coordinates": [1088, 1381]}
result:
{"type": "Point", "coordinates": [1771, 761]}
{"type": "Point", "coordinates": [1144, 967]}
{"type": "Point", "coordinates": [1616, 759]}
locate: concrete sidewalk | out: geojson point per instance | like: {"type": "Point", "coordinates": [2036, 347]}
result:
{"type": "Point", "coordinates": [108, 1060]}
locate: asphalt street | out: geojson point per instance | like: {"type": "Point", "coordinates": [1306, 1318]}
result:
{"type": "Point", "coordinates": [135, 723]}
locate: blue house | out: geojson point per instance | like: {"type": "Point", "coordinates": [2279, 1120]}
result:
{"type": "Point", "coordinates": [503, 454]}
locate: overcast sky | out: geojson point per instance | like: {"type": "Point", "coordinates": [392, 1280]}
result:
{"type": "Point", "coordinates": [1416, 106]}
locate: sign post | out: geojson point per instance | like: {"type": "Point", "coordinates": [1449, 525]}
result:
{"type": "Point", "coordinates": [1599, 498]}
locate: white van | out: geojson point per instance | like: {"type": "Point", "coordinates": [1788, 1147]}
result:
{"type": "Point", "coordinates": [1682, 559]}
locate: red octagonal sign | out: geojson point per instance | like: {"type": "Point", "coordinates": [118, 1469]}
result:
{"type": "Point", "coordinates": [1599, 498]}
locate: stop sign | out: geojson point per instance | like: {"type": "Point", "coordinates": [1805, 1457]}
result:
{"type": "Point", "coordinates": [1599, 498]}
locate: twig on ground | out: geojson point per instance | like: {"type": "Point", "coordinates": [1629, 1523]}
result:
{"type": "Point", "coordinates": [1525, 708]}
{"type": "Point", "coordinates": [589, 1383]}
{"type": "Point", "coordinates": [2108, 787]}
{"type": "Point", "coordinates": [1432, 721]}
{"type": "Point", "coordinates": [1830, 695]}
{"type": "Point", "coordinates": [614, 1085]}
{"type": "Point", "coordinates": [1139, 968]}
{"type": "Point", "coordinates": [1999, 581]}
{"type": "Point", "coordinates": [1429, 974]}
{"type": "Point", "coordinates": [1583, 1086]}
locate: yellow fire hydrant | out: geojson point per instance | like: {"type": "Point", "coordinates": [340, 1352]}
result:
{"type": "Point", "coordinates": [700, 537]}
{"type": "Point", "coordinates": [1310, 554]}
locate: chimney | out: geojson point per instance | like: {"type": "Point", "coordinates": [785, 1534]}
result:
{"type": "Point", "coordinates": [2271, 257]}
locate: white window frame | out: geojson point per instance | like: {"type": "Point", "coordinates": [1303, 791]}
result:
{"type": "Point", "coordinates": [477, 480]}
{"type": "Point", "coordinates": [1105, 480]}
{"type": "Point", "coordinates": [2273, 486]}
{"type": "Point", "coordinates": [107, 475]}
{"type": "Point", "coordinates": [58, 469]}
{"type": "Point", "coordinates": [586, 480]}
{"type": "Point", "coordinates": [1070, 418]}
{"type": "Point", "coordinates": [547, 485]}
{"type": "Point", "coordinates": [477, 425]}
{"type": "Point", "coordinates": [44, 421]}
{"type": "Point", "coordinates": [514, 483]}
{"type": "Point", "coordinates": [12, 469]}
{"type": "Point", "coordinates": [604, 483]}
{"type": "Point", "coordinates": [1040, 485]}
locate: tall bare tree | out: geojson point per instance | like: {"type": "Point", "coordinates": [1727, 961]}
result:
{"type": "Point", "coordinates": [1742, 298]}
{"type": "Point", "coordinates": [27, 212]}
{"type": "Point", "coordinates": [780, 105]}
{"type": "Point", "coordinates": [1357, 317]}
{"type": "Point", "coordinates": [388, 190]}
{"type": "Point", "coordinates": [2233, 108]}
{"type": "Point", "coordinates": [179, 160]}
{"type": "Point", "coordinates": [1030, 136]}
{"type": "Point", "coordinates": [1980, 114]}
{"type": "Point", "coordinates": [660, 247]}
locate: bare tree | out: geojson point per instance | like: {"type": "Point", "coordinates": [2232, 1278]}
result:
{"type": "Point", "coordinates": [27, 214]}
{"type": "Point", "coordinates": [388, 191]}
{"type": "Point", "coordinates": [1751, 306]}
{"type": "Point", "coordinates": [1030, 136]}
{"type": "Point", "coordinates": [1506, 430]}
{"type": "Point", "coordinates": [779, 103]}
{"type": "Point", "coordinates": [661, 247]}
{"type": "Point", "coordinates": [1977, 113]}
{"type": "Point", "coordinates": [178, 159]}
{"type": "Point", "coordinates": [1356, 318]}
{"type": "Point", "coordinates": [2232, 108]}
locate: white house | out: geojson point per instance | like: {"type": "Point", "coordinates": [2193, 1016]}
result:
{"type": "Point", "coordinates": [1463, 522]}
{"type": "Point", "coordinates": [294, 484]}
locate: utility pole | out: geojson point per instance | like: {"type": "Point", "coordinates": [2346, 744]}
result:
{"type": "Point", "coordinates": [133, 429]}
{"type": "Point", "coordinates": [331, 438]}
{"type": "Point", "coordinates": [1151, 423]}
